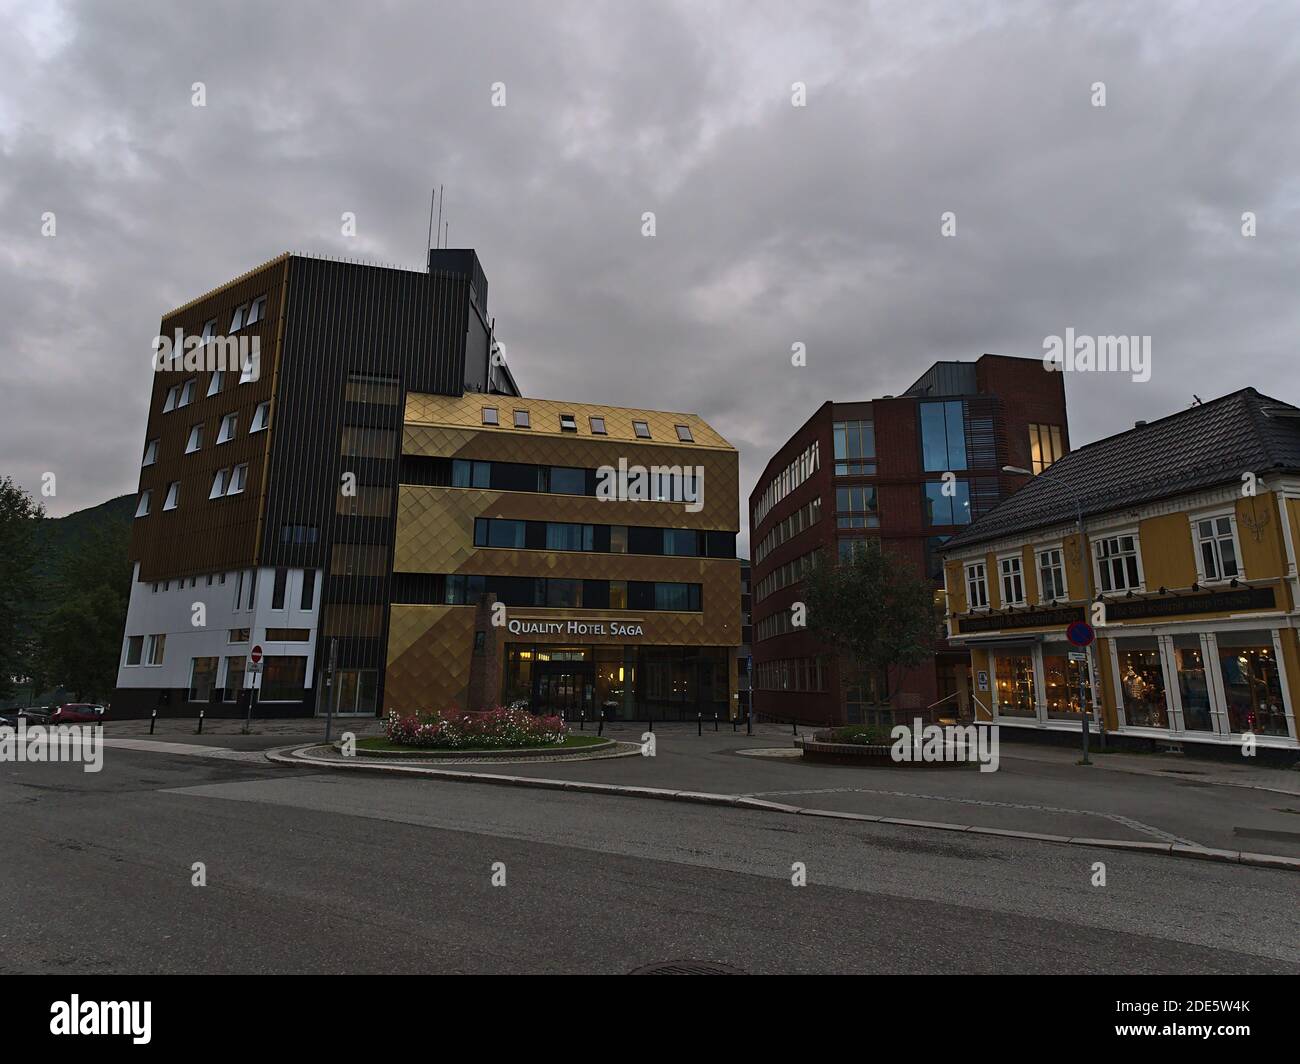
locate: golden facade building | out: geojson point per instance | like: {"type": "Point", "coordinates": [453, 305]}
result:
{"type": "Point", "coordinates": [581, 558]}
{"type": "Point", "coordinates": [1178, 541]}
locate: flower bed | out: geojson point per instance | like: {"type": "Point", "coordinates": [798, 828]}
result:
{"type": "Point", "coordinates": [456, 730]}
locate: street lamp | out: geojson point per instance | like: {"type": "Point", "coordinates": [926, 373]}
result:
{"type": "Point", "coordinates": [1085, 563]}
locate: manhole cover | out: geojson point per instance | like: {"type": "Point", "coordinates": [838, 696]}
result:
{"type": "Point", "coordinates": [687, 968]}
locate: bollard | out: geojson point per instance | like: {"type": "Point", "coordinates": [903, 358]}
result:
{"type": "Point", "coordinates": [734, 723]}
{"type": "Point", "coordinates": [749, 722]}
{"type": "Point", "coordinates": [699, 723]}
{"type": "Point", "coordinates": [650, 724]}
{"type": "Point", "coordinates": [794, 728]}
{"type": "Point", "coordinates": [600, 728]}
{"type": "Point", "coordinates": [153, 719]}
{"type": "Point", "coordinates": [715, 721]}
{"type": "Point", "coordinates": [582, 721]}
{"type": "Point", "coordinates": [200, 731]}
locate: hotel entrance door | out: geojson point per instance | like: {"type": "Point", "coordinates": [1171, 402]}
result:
{"type": "Point", "coordinates": [565, 688]}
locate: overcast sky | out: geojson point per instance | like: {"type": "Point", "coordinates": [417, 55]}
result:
{"type": "Point", "coordinates": [776, 224]}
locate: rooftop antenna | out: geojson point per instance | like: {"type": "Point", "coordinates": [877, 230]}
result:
{"type": "Point", "coordinates": [433, 194]}
{"type": "Point", "coordinates": [446, 229]}
{"type": "Point", "coordinates": [440, 199]}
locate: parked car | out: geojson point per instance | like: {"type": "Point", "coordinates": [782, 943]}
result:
{"type": "Point", "coordinates": [8, 722]}
{"type": "Point", "coordinates": [36, 714]}
{"type": "Point", "coordinates": [77, 713]}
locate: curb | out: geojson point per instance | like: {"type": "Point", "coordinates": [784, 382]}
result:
{"type": "Point", "coordinates": [291, 755]}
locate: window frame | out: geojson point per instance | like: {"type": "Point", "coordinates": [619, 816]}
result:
{"type": "Point", "coordinates": [172, 500]}
{"type": "Point", "coordinates": [982, 581]}
{"type": "Point", "coordinates": [1096, 540]}
{"type": "Point", "coordinates": [637, 430]}
{"type": "Point", "coordinates": [1216, 538]}
{"type": "Point", "coordinates": [1006, 576]}
{"type": "Point", "coordinates": [1039, 552]}
{"type": "Point", "coordinates": [233, 419]}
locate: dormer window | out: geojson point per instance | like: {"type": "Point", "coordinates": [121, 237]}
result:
{"type": "Point", "coordinates": [597, 426]}
{"type": "Point", "coordinates": [642, 430]}
{"type": "Point", "coordinates": [568, 423]}
{"type": "Point", "coordinates": [490, 416]}
{"type": "Point", "coordinates": [521, 419]}
{"type": "Point", "coordinates": [684, 433]}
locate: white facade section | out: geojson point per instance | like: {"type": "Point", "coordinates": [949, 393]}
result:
{"type": "Point", "coordinates": [172, 608]}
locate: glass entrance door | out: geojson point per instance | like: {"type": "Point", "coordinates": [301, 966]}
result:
{"type": "Point", "coordinates": [565, 688]}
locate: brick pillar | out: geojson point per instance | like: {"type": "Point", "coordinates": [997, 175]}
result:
{"type": "Point", "coordinates": [487, 650]}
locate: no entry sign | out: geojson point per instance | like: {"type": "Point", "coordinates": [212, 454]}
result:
{"type": "Point", "coordinates": [1081, 634]}
{"type": "Point", "coordinates": [255, 655]}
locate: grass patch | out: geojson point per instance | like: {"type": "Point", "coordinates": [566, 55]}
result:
{"type": "Point", "coordinates": [570, 742]}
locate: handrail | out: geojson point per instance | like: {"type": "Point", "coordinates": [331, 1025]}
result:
{"type": "Point", "coordinates": [943, 700]}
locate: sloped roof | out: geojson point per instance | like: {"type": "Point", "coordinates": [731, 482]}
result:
{"type": "Point", "coordinates": [1201, 447]}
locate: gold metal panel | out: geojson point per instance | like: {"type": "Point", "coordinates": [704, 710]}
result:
{"type": "Point", "coordinates": [544, 416]}
{"type": "Point", "coordinates": [429, 649]}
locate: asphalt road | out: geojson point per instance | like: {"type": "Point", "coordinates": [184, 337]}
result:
{"type": "Point", "coordinates": [312, 872]}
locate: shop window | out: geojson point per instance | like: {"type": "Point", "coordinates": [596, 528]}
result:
{"type": "Point", "coordinates": [1061, 678]}
{"type": "Point", "coordinates": [1142, 683]}
{"type": "Point", "coordinates": [1193, 688]}
{"type": "Point", "coordinates": [1251, 683]}
{"type": "Point", "coordinates": [283, 678]}
{"type": "Point", "coordinates": [1014, 675]}
{"type": "Point", "coordinates": [1216, 549]}
{"type": "Point", "coordinates": [235, 665]}
{"type": "Point", "coordinates": [203, 679]}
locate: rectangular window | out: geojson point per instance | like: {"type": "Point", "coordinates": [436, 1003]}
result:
{"type": "Point", "coordinates": [856, 507]}
{"type": "Point", "coordinates": [855, 448]}
{"type": "Point", "coordinates": [496, 532]}
{"type": "Point", "coordinates": [173, 394]}
{"type": "Point", "coordinates": [1051, 575]}
{"type": "Point", "coordinates": [465, 474]}
{"type": "Point", "coordinates": [563, 480]}
{"type": "Point", "coordinates": [1142, 683]}
{"type": "Point", "coordinates": [369, 501]}
{"type": "Point", "coordinates": [209, 330]}
{"type": "Point", "coordinates": [229, 424]}
{"type": "Point", "coordinates": [238, 635]}
{"type": "Point", "coordinates": [203, 678]}
{"type": "Point", "coordinates": [1014, 680]}
{"type": "Point", "coordinates": [283, 678]}
{"type": "Point", "coordinates": [219, 479]}
{"type": "Point", "coordinates": [1217, 548]}
{"type": "Point", "coordinates": [684, 433]}
{"type": "Point", "coordinates": [618, 594]}
{"type": "Point", "coordinates": [682, 542]}
{"type": "Point", "coordinates": [943, 436]}
{"type": "Point", "coordinates": [150, 453]}
{"type": "Point", "coordinates": [568, 423]}
{"type": "Point", "coordinates": [278, 589]}
{"type": "Point", "coordinates": [1251, 683]}
{"type": "Point", "coordinates": [618, 539]}
{"type": "Point", "coordinates": [1013, 583]}
{"type": "Point", "coordinates": [214, 382]}
{"type": "Point", "coordinates": [134, 649]}
{"type": "Point", "coordinates": [564, 536]}
{"type": "Point", "coordinates": [299, 534]}
{"type": "Point", "coordinates": [187, 394]}
{"type": "Point", "coordinates": [288, 635]}
{"type": "Point", "coordinates": [237, 318]}
{"type": "Point", "coordinates": [358, 559]}
{"type": "Point", "coordinates": [308, 598]}
{"type": "Point", "coordinates": [1044, 446]}
{"type": "Point", "coordinates": [142, 507]}
{"type": "Point", "coordinates": [1117, 564]}
{"type": "Point", "coordinates": [261, 417]}
{"type": "Point", "coordinates": [642, 430]}
{"type": "Point", "coordinates": [238, 478]}
{"type": "Point", "coordinates": [361, 442]}
{"type": "Point", "coordinates": [564, 593]}
{"type": "Point", "coordinates": [977, 589]}
{"type": "Point", "coordinates": [947, 509]}
{"type": "Point", "coordinates": [256, 311]}
{"type": "Point", "coordinates": [521, 419]}
{"type": "Point", "coordinates": [373, 390]}
{"type": "Point", "coordinates": [173, 499]}
{"type": "Point", "coordinates": [1192, 684]}
{"type": "Point", "coordinates": [490, 416]}
{"type": "Point", "coordinates": [195, 441]}
{"type": "Point", "coordinates": [235, 665]}
{"type": "Point", "coordinates": [597, 426]}
{"type": "Point", "coordinates": [156, 648]}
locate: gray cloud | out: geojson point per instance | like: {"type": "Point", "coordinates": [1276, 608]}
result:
{"type": "Point", "coordinates": [776, 224]}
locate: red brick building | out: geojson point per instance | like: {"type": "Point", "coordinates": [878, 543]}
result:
{"type": "Point", "coordinates": [875, 470]}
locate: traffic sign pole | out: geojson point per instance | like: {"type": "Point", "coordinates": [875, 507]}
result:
{"type": "Point", "coordinates": [1082, 634]}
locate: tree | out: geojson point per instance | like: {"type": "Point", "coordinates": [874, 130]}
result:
{"type": "Point", "coordinates": [82, 640]}
{"type": "Point", "coordinates": [20, 552]}
{"type": "Point", "coordinates": [875, 609]}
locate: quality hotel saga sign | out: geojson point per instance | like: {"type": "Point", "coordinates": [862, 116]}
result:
{"type": "Point", "coordinates": [572, 628]}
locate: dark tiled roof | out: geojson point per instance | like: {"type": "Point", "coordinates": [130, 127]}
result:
{"type": "Point", "coordinates": [1200, 447]}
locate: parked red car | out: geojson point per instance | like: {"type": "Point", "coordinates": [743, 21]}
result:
{"type": "Point", "coordinates": [77, 713]}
